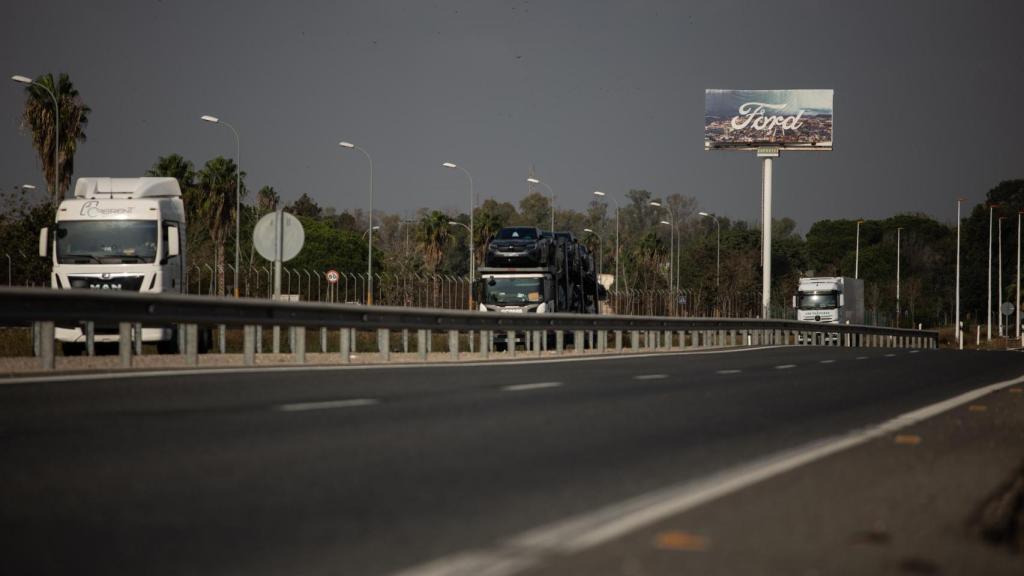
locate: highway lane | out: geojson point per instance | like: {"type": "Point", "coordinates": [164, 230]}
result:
{"type": "Point", "coordinates": [368, 471]}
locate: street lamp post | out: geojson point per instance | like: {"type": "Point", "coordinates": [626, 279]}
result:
{"type": "Point", "coordinates": [898, 230]}
{"type": "Point", "coordinates": [238, 193]}
{"type": "Point", "coordinates": [600, 258]}
{"type": "Point", "coordinates": [856, 257]}
{"type": "Point", "coordinates": [959, 332]}
{"type": "Point", "coordinates": [472, 247]}
{"type": "Point", "coordinates": [617, 279]}
{"type": "Point", "coordinates": [671, 240]}
{"type": "Point", "coordinates": [56, 129]}
{"type": "Point", "coordinates": [533, 180]}
{"type": "Point", "coordinates": [988, 319]}
{"type": "Point", "coordinates": [718, 247]}
{"type": "Point", "coordinates": [1018, 306]}
{"type": "Point", "coordinates": [999, 262]}
{"type": "Point", "coordinates": [369, 247]}
{"type": "Point", "coordinates": [469, 230]}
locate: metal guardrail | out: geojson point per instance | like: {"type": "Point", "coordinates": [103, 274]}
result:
{"type": "Point", "coordinates": [44, 308]}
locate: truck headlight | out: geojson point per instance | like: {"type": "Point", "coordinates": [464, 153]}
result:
{"type": "Point", "coordinates": [483, 308]}
{"type": "Point", "coordinates": [542, 308]}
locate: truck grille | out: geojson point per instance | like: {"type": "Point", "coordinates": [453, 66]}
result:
{"type": "Point", "coordinates": [127, 283]}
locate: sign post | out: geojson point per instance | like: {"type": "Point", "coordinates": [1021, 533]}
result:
{"type": "Point", "coordinates": [278, 237]}
{"type": "Point", "coordinates": [767, 121]}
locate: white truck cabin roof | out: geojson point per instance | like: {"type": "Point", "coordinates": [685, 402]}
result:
{"type": "Point", "coordinates": [127, 188]}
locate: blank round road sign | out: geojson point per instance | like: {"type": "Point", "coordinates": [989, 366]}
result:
{"type": "Point", "coordinates": [264, 236]}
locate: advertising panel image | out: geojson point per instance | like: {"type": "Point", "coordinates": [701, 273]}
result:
{"type": "Point", "coordinates": [748, 119]}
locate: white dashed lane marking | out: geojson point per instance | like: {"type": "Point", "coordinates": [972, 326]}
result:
{"type": "Point", "coordinates": [826, 361]}
{"type": "Point", "coordinates": [327, 405]}
{"type": "Point", "coordinates": [531, 386]}
{"type": "Point", "coordinates": [862, 357]}
{"type": "Point", "coordinates": [785, 366]}
{"type": "Point", "coordinates": [728, 371]}
{"type": "Point", "coordinates": [890, 355]}
{"type": "Point", "coordinates": [650, 377]}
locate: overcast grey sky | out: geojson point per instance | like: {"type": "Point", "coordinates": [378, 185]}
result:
{"type": "Point", "coordinates": [595, 95]}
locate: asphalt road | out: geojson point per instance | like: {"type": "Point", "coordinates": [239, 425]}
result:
{"type": "Point", "coordinates": [373, 470]}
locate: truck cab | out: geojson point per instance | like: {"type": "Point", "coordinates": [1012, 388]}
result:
{"type": "Point", "coordinates": [118, 234]}
{"type": "Point", "coordinates": [830, 300]}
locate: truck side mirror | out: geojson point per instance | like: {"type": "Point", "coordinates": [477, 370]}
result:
{"type": "Point", "coordinates": [44, 242]}
{"type": "Point", "coordinates": [172, 241]}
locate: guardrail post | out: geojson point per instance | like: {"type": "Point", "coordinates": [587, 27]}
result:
{"type": "Point", "coordinates": [667, 339]}
{"type": "Point", "coordinates": [323, 339]}
{"type": "Point", "coordinates": [259, 339]}
{"type": "Point", "coordinates": [124, 343]}
{"type": "Point", "coordinates": [222, 338]}
{"type": "Point", "coordinates": [453, 344]}
{"type": "Point", "coordinates": [527, 340]}
{"type": "Point", "coordinates": [344, 346]}
{"type": "Point", "coordinates": [421, 343]}
{"type": "Point", "coordinates": [602, 341]}
{"type": "Point", "coordinates": [634, 340]}
{"type": "Point", "coordinates": [192, 344]}
{"type": "Point", "coordinates": [559, 341]}
{"type": "Point", "coordinates": [137, 333]}
{"type": "Point", "coordinates": [472, 341]}
{"type": "Point", "coordinates": [46, 345]}
{"type": "Point", "coordinates": [405, 340]}
{"type": "Point", "coordinates": [484, 344]}
{"type": "Point", "coordinates": [35, 340]}
{"type": "Point", "coordinates": [577, 342]}
{"type": "Point", "coordinates": [537, 337]}
{"type": "Point", "coordinates": [90, 338]}
{"type": "Point", "coordinates": [778, 338]}
{"type": "Point", "coordinates": [276, 340]}
{"type": "Point", "coordinates": [618, 341]}
{"type": "Point", "coordinates": [299, 343]}
{"type": "Point", "coordinates": [249, 345]}
{"type": "Point", "coordinates": [384, 344]}
{"type": "Point", "coordinates": [510, 339]}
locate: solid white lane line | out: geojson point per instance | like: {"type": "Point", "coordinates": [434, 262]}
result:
{"type": "Point", "coordinates": [785, 366]}
{"type": "Point", "coordinates": [890, 355]}
{"type": "Point", "coordinates": [862, 357]}
{"type": "Point", "coordinates": [914, 351]}
{"type": "Point", "coordinates": [184, 371]}
{"type": "Point", "coordinates": [533, 386]}
{"type": "Point", "coordinates": [326, 405]}
{"type": "Point", "coordinates": [650, 377]}
{"type": "Point", "coordinates": [728, 371]}
{"type": "Point", "coordinates": [604, 524]}
{"type": "Point", "coordinates": [826, 361]}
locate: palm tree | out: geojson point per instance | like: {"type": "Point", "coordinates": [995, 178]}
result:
{"type": "Point", "coordinates": [215, 195]}
{"type": "Point", "coordinates": [38, 117]}
{"type": "Point", "coordinates": [434, 233]}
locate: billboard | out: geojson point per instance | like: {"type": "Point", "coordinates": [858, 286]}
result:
{"type": "Point", "coordinates": [748, 119]}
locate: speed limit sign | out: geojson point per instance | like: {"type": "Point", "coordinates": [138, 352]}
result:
{"type": "Point", "coordinates": [332, 276]}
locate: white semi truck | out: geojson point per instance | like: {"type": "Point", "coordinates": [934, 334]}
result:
{"type": "Point", "coordinates": [118, 234]}
{"type": "Point", "coordinates": [831, 300]}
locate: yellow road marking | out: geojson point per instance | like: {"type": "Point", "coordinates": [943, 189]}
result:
{"type": "Point", "coordinates": [678, 540]}
{"type": "Point", "coordinates": [907, 439]}
{"type": "Point", "coordinates": [977, 408]}
{"type": "Point", "coordinates": [1015, 390]}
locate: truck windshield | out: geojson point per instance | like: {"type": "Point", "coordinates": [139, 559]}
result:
{"type": "Point", "coordinates": [106, 241]}
{"type": "Point", "coordinates": [516, 291]}
{"type": "Point", "coordinates": [818, 300]}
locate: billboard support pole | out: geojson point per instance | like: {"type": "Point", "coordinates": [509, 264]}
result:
{"type": "Point", "coordinates": [766, 154]}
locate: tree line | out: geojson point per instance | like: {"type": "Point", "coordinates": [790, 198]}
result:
{"type": "Point", "coordinates": [427, 243]}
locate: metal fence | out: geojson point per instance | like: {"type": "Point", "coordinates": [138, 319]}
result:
{"type": "Point", "coordinates": [129, 312]}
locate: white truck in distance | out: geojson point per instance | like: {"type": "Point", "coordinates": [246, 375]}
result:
{"type": "Point", "coordinates": [831, 300]}
{"type": "Point", "coordinates": [118, 234]}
